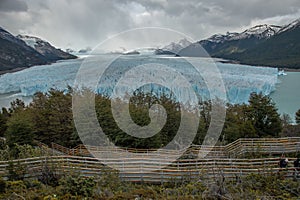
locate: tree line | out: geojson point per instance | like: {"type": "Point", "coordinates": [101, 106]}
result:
{"type": "Point", "coordinates": [49, 118]}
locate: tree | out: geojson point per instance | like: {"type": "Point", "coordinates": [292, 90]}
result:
{"type": "Point", "coordinates": [264, 116]}
{"type": "Point", "coordinates": [3, 125]}
{"type": "Point", "coordinates": [53, 118]}
{"type": "Point", "coordinates": [205, 111]}
{"type": "Point", "coordinates": [16, 105]}
{"type": "Point", "coordinates": [297, 117]}
{"type": "Point", "coordinates": [139, 112]}
{"type": "Point", "coordinates": [286, 119]}
{"type": "Point", "coordinates": [19, 129]}
{"type": "Point", "coordinates": [237, 124]}
{"type": "Point", "coordinates": [19, 126]}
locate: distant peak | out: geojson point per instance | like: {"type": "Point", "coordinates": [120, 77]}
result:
{"type": "Point", "coordinates": [218, 38]}
{"type": "Point", "coordinates": [33, 41]}
{"type": "Point", "coordinates": [28, 37]}
{"type": "Point", "coordinates": [261, 31]}
{"type": "Point", "coordinates": [291, 26]}
{"type": "Point", "coordinates": [3, 30]}
{"type": "Point", "coordinates": [176, 47]}
{"type": "Point", "coordinates": [258, 29]}
{"type": "Point", "coordinates": [184, 40]}
{"type": "Point", "coordinates": [296, 21]}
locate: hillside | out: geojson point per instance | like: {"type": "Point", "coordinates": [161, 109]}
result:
{"type": "Point", "coordinates": [45, 48]}
{"type": "Point", "coordinates": [267, 45]}
{"type": "Point", "coordinates": [14, 53]}
{"type": "Point", "coordinates": [26, 51]}
{"type": "Point", "coordinates": [282, 50]}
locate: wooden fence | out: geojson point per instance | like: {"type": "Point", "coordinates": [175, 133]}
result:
{"type": "Point", "coordinates": [135, 169]}
{"type": "Point", "coordinates": [148, 166]}
{"type": "Point", "coordinates": [236, 149]}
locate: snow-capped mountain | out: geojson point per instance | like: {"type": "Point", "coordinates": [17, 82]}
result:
{"type": "Point", "coordinates": [264, 31]}
{"type": "Point", "coordinates": [32, 41]}
{"type": "Point", "coordinates": [14, 53]}
{"type": "Point", "coordinates": [19, 52]}
{"type": "Point", "coordinates": [175, 47]}
{"type": "Point", "coordinates": [270, 45]}
{"type": "Point", "coordinates": [85, 50]}
{"type": "Point", "coordinates": [290, 26]}
{"type": "Point", "coordinates": [70, 51]}
{"type": "Point", "coordinates": [260, 31]}
{"type": "Point", "coordinates": [5, 35]}
{"type": "Point", "coordinates": [45, 48]}
{"type": "Point", "coordinates": [219, 38]}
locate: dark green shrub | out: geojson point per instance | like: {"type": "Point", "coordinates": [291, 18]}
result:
{"type": "Point", "coordinates": [2, 185]}
{"type": "Point", "coordinates": [77, 185]}
{"type": "Point", "coordinates": [16, 186]}
{"type": "Point", "coordinates": [49, 175]}
{"type": "Point", "coordinates": [16, 171]}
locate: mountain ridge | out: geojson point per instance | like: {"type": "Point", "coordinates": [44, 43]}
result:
{"type": "Point", "coordinates": [266, 45]}
{"type": "Point", "coordinates": [15, 54]}
{"type": "Point", "coordinates": [45, 48]}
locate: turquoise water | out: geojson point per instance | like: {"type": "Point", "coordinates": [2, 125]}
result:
{"type": "Point", "coordinates": [250, 79]}
{"type": "Point", "coordinates": [287, 94]}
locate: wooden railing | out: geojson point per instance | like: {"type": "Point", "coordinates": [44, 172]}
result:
{"type": "Point", "coordinates": [263, 145]}
{"type": "Point", "coordinates": [147, 166]}
{"type": "Point", "coordinates": [134, 169]}
{"type": "Point", "coordinates": [233, 150]}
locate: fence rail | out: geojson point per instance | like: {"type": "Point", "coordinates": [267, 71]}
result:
{"type": "Point", "coordinates": [232, 150]}
{"type": "Point", "coordinates": [147, 165]}
{"type": "Point", "coordinates": [148, 170]}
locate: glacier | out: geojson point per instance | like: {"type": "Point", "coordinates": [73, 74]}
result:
{"type": "Point", "coordinates": [239, 80]}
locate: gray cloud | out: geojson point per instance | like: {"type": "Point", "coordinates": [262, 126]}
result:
{"type": "Point", "coordinates": [13, 5]}
{"type": "Point", "coordinates": [77, 24]}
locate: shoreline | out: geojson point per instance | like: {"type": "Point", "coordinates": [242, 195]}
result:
{"type": "Point", "coordinates": [22, 68]}
{"type": "Point", "coordinates": [13, 70]}
{"type": "Point", "coordinates": [221, 60]}
{"type": "Point", "coordinates": [290, 70]}
{"type": "Point", "coordinates": [237, 62]}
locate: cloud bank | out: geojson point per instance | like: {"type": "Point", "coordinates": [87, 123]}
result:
{"type": "Point", "coordinates": [78, 24]}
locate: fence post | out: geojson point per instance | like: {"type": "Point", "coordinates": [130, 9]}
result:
{"type": "Point", "coordinates": [141, 172]}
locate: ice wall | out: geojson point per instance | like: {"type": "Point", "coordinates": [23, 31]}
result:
{"type": "Point", "coordinates": [239, 80]}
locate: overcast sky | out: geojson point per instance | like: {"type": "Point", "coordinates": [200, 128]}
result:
{"type": "Point", "coordinates": [77, 24]}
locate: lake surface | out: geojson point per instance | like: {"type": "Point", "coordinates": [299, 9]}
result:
{"type": "Point", "coordinates": [287, 94]}
{"type": "Point", "coordinates": [240, 81]}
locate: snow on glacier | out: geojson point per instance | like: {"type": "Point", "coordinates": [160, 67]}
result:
{"type": "Point", "coordinates": [240, 80]}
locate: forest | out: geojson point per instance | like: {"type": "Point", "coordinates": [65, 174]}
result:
{"type": "Point", "coordinates": [49, 119]}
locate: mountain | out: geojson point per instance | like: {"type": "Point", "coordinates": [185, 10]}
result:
{"type": "Point", "coordinates": [85, 50]}
{"type": "Point", "coordinates": [225, 45]}
{"type": "Point", "coordinates": [70, 51]}
{"type": "Point", "coordinates": [25, 51]}
{"type": "Point", "coordinates": [295, 24]}
{"type": "Point", "coordinates": [173, 48]}
{"type": "Point", "coordinates": [14, 53]}
{"type": "Point", "coordinates": [280, 50]}
{"type": "Point", "coordinates": [134, 52]}
{"type": "Point", "coordinates": [51, 53]}
{"type": "Point", "coordinates": [176, 47]}
{"type": "Point", "coordinates": [267, 45]}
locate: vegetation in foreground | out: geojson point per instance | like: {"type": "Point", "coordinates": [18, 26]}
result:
{"type": "Point", "coordinates": [50, 184]}
{"type": "Point", "coordinates": [49, 118]}
{"type": "Point", "coordinates": [108, 186]}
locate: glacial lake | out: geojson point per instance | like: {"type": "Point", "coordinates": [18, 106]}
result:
{"type": "Point", "coordinates": [39, 78]}
{"type": "Point", "coordinates": [287, 93]}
